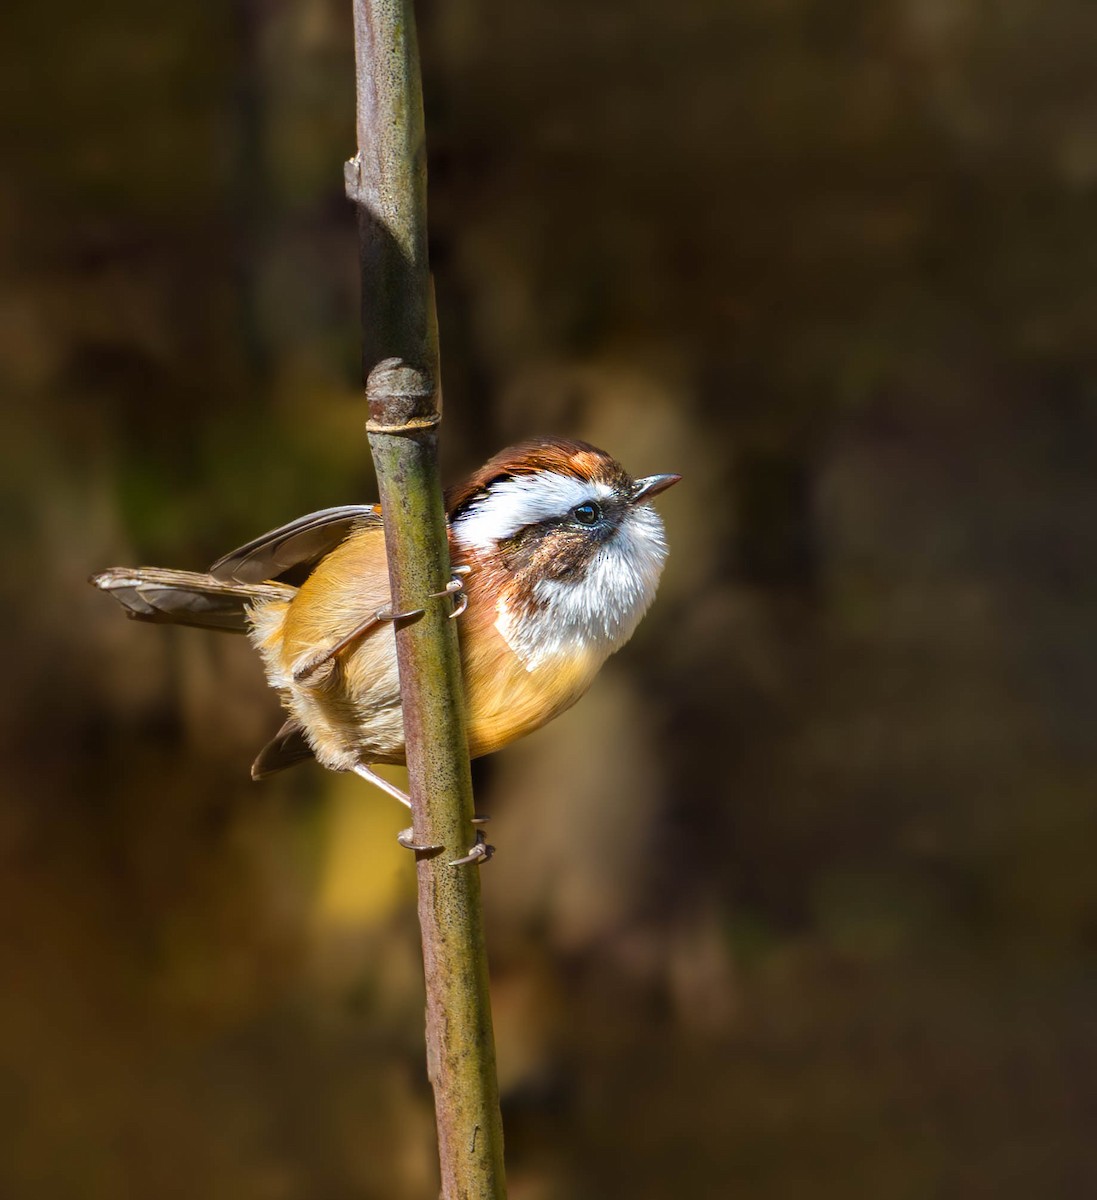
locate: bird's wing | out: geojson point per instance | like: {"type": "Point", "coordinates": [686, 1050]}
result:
{"type": "Point", "coordinates": [296, 547]}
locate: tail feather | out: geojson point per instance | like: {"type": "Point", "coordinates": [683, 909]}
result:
{"type": "Point", "coordinates": [288, 747]}
{"type": "Point", "coordinates": [186, 597]}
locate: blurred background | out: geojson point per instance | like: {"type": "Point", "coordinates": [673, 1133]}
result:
{"type": "Point", "coordinates": [800, 901]}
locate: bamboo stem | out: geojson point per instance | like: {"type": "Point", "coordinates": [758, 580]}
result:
{"type": "Point", "coordinates": [387, 181]}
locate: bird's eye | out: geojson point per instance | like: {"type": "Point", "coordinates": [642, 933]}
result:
{"type": "Point", "coordinates": [587, 514]}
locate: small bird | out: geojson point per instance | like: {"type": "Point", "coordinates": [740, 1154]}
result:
{"type": "Point", "coordinates": [556, 555]}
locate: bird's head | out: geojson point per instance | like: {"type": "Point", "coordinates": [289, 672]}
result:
{"type": "Point", "coordinates": [569, 542]}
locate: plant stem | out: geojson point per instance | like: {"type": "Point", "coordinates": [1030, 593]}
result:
{"type": "Point", "coordinates": [387, 181]}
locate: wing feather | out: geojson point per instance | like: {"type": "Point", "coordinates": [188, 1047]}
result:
{"type": "Point", "coordinates": [296, 547]}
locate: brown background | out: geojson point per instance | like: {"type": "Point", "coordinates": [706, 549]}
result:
{"type": "Point", "coordinates": [800, 901]}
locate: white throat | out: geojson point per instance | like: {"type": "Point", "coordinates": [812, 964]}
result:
{"type": "Point", "coordinates": [595, 615]}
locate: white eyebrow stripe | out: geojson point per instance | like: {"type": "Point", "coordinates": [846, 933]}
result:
{"type": "Point", "coordinates": [512, 504]}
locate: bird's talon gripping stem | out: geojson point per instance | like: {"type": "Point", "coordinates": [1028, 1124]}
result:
{"type": "Point", "coordinates": [455, 588]}
{"type": "Point", "coordinates": [480, 853]}
{"type": "Point", "coordinates": [386, 614]}
{"type": "Point", "coordinates": [406, 838]}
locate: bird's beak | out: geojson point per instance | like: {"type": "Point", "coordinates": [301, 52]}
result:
{"type": "Point", "coordinates": [647, 489]}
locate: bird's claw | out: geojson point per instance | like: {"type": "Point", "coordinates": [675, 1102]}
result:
{"type": "Point", "coordinates": [480, 853]}
{"type": "Point", "coordinates": [386, 614]}
{"type": "Point", "coordinates": [456, 588]}
{"type": "Point", "coordinates": [406, 838]}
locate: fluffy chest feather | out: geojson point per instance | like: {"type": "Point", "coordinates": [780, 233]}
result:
{"type": "Point", "coordinates": [506, 697]}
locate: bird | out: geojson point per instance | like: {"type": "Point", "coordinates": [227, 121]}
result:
{"type": "Point", "coordinates": [556, 554]}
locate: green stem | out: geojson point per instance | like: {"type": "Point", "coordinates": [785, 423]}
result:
{"type": "Point", "coordinates": [387, 181]}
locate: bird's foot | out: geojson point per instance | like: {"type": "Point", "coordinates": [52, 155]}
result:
{"type": "Point", "coordinates": [480, 853]}
{"type": "Point", "coordinates": [386, 614]}
{"type": "Point", "coordinates": [456, 589]}
{"type": "Point", "coordinates": [406, 838]}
